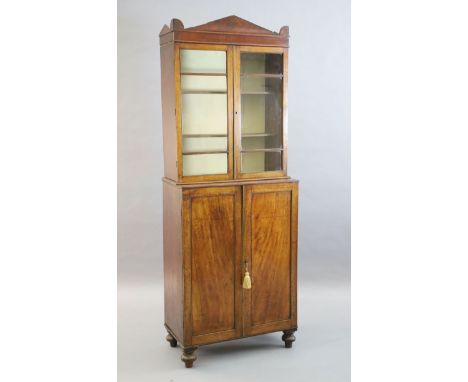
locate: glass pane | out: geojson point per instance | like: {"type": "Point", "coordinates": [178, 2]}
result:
{"type": "Point", "coordinates": [203, 83]}
{"type": "Point", "coordinates": [204, 114]}
{"type": "Point", "coordinates": [258, 84]}
{"type": "Point", "coordinates": [261, 111]}
{"type": "Point", "coordinates": [204, 164]}
{"type": "Point", "coordinates": [191, 144]}
{"type": "Point", "coordinates": [202, 61]}
{"type": "Point", "coordinates": [262, 121]}
{"type": "Point", "coordinates": [260, 161]}
{"type": "Point", "coordinates": [261, 63]}
{"type": "Point", "coordinates": [261, 142]}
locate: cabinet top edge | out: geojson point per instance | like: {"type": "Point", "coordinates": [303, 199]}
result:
{"type": "Point", "coordinates": [228, 30]}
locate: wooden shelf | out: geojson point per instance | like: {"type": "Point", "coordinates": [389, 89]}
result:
{"type": "Point", "coordinates": [205, 152]}
{"type": "Point", "coordinates": [204, 135]}
{"type": "Point", "coordinates": [260, 150]}
{"type": "Point", "coordinates": [202, 74]}
{"type": "Point", "coordinates": [204, 92]}
{"type": "Point", "coordinates": [262, 75]}
{"type": "Point", "coordinates": [255, 135]}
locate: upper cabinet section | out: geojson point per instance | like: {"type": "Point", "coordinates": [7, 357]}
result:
{"type": "Point", "coordinates": [224, 101]}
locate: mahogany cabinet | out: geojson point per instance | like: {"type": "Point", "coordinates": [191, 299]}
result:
{"type": "Point", "coordinates": [230, 209]}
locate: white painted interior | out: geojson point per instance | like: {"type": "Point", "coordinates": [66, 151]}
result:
{"type": "Point", "coordinates": [202, 61]}
{"type": "Point", "coordinates": [204, 164]}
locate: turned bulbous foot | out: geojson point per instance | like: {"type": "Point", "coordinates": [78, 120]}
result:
{"type": "Point", "coordinates": [288, 338]}
{"type": "Point", "coordinates": [172, 341]}
{"type": "Point", "coordinates": [188, 356]}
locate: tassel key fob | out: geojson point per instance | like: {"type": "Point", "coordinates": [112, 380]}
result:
{"type": "Point", "coordinates": [247, 283]}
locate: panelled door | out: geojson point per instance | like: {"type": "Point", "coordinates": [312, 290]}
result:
{"type": "Point", "coordinates": [212, 221]}
{"type": "Point", "coordinates": [224, 236]}
{"type": "Point", "coordinates": [270, 255]}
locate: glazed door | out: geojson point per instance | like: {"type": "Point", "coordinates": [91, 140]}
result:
{"type": "Point", "coordinates": [260, 116]}
{"type": "Point", "coordinates": [212, 257]}
{"type": "Point", "coordinates": [204, 99]}
{"type": "Point", "coordinates": [270, 221]}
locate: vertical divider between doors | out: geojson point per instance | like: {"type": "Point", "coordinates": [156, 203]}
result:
{"type": "Point", "coordinates": [238, 262]}
{"type": "Point", "coordinates": [237, 112]}
{"type": "Point", "coordinates": [230, 109]}
{"type": "Point", "coordinates": [232, 105]}
{"type": "Point", "coordinates": [246, 237]}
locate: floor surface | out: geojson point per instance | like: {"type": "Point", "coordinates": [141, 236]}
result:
{"type": "Point", "coordinates": [320, 353]}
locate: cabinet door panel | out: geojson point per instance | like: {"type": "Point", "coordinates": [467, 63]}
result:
{"type": "Point", "coordinates": [260, 78]}
{"type": "Point", "coordinates": [204, 112]}
{"type": "Point", "coordinates": [212, 246]}
{"type": "Point", "coordinates": [270, 252]}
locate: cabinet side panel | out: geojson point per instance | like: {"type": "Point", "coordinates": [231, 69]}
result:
{"type": "Point", "coordinates": [173, 260]}
{"type": "Point", "coordinates": [168, 100]}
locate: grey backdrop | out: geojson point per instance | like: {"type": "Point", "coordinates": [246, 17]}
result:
{"type": "Point", "coordinates": [319, 156]}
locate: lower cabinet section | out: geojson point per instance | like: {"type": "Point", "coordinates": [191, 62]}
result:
{"type": "Point", "coordinates": [213, 236]}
